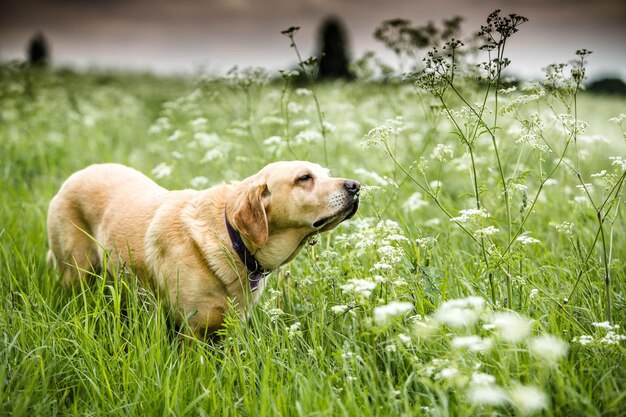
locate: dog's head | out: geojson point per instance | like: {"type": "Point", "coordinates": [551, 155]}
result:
{"type": "Point", "coordinates": [294, 197]}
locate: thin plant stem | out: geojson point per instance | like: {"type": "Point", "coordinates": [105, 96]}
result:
{"type": "Point", "coordinates": [318, 108]}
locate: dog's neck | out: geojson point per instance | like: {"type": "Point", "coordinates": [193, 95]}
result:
{"type": "Point", "coordinates": [281, 247]}
{"type": "Point", "coordinates": [255, 270]}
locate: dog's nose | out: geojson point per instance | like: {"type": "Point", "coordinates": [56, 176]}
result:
{"type": "Point", "coordinates": [352, 186]}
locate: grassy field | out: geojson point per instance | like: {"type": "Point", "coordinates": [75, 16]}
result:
{"type": "Point", "coordinates": [473, 280]}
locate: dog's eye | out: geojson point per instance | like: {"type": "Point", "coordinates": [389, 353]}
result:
{"type": "Point", "coordinates": [305, 178]}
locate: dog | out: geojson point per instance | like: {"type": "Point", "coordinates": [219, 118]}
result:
{"type": "Point", "coordinates": [203, 250]}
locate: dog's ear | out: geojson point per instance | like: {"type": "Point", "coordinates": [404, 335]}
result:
{"type": "Point", "coordinates": [250, 216]}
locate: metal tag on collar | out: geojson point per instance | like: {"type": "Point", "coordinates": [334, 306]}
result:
{"type": "Point", "coordinates": [255, 279]}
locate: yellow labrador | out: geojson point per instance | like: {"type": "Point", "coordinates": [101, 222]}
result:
{"type": "Point", "coordinates": [200, 248]}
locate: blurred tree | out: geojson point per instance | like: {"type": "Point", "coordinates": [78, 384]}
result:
{"type": "Point", "coordinates": [409, 42]}
{"type": "Point", "coordinates": [38, 51]}
{"type": "Point", "coordinates": [615, 86]}
{"type": "Point", "coordinates": [333, 51]}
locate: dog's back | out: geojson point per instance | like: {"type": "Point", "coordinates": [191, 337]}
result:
{"type": "Point", "coordinates": [85, 204]}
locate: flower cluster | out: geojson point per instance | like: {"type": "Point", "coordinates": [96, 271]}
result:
{"type": "Point", "coordinates": [477, 336]}
{"type": "Point", "coordinates": [609, 335]}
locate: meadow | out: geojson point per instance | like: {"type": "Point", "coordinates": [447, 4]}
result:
{"type": "Point", "coordinates": [483, 274]}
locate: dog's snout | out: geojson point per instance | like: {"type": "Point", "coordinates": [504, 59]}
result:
{"type": "Point", "coordinates": [352, 186]}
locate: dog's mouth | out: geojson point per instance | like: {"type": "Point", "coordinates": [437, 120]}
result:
{"type": "Point", "coordinates": [329, 222]}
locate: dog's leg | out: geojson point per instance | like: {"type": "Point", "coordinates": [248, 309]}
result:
{"type": "Point", "coordinates": [206, 322]}
{"type": "Point", "coordinates": [73, 251]}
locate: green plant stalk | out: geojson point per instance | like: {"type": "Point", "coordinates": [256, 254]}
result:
{"type": "Point", "coordinates": [605, 262]}
{"type": "Point", "coordinates": [493, 139]}
{"type": "Point", "coordinates": [469, 144]}
{"type": "Point", "coordinates": [441, 207]}
{"type": "Point", "coordinates": [318, 108]}
{"type": "Point", "coordinates": [617, 189]}
{"type": "Point", "coordinates": [284, 101]}
{"type": "Point", "coordinates": [509, 283]}
{"type": "Point", "coordinates": [469, 147]}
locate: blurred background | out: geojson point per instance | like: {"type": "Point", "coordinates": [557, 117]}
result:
{"type": "Point", "coordinates": [211, 36]}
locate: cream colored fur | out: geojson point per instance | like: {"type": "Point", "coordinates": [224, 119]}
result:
{"type": "Point", "coordinates": [177, 241]}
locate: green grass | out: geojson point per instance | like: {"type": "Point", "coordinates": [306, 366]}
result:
{"type": "Point", "coordinates": [110, 348]}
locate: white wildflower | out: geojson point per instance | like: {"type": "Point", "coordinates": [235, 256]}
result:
{"type": "Point", "coordinates": [593, 139]}
{"type": "Point", "coordinates": [383, 314]}
{"type": "Point", "coordinates": [307, 136]}
{"type": "Point", "coordinates": [328, 126]}
{"type": "Point", "coordinates": [339, 309]}
{"type": "Point", "coordinates": [350, 355]}
{"type": "Point", "coordinates": [303, 92]}
{"type": "Point", "coordinates": [548, 348]}
{"type": "Point", "coordinates": [376, 136]}
{"type": "Point", "coordinates": [605, 325]}
{"type": "Point", "coordinates": [294, 329]}
{"type": "Point", "coordinates": [473, 343]}
{"type": "Point", "coordinates": [487, 231]}
{"type": "Point", "coordinates": [510, 326]}
{"type": "Point", "coordinates": [212, 155]}
{"type": "Point", "coordinates": [273, 141]}
{"type": "Point", "coordinates": [486, 394]}
{"type": "Point", "coordinates": [361, 172]}
{"type": "Point", "coordinates": [162, 124]}
{"type": "Point", "coordinates": [423, 327]}
{"type": "Point", "coordinates": [508, 90]}
{"type": "Point", "coordinates": [198, 123]}
{"type": "Point", "coordinates": [566, 228]}
{"type": "Point", "coordinates": [599, 174]}
{"type": "Point", "coordinates": [524, 239]}
{"type": "Point", "coordinates": [404, 339]}
{"type": "Point", "coordinates": [480, 378]}
{"type": "Point", "coordinates": [381, 266]}
{"type": "Point", "coordinates": [238, 132]}
{"type": "Point", "coordinates": [447, 373]}
{"type": "Point", "coordinates": [519, 187]}
{"type": "Point", "coordinates": [585, 187]}
{"type": "Point", "coordinates": [396, 125]}
{"type": "Point", "coordinates": [272, 120]}
{"type": "Point", "coordinates": [460, 312]}
{"type": "Point", "coordinates": [391, 348]}
{"type": "Point", "coordinates": [618, 119]}
{"type": "Point", "coordinates": [426, 242]}
{"type": "Point", "coordinates": [584, 339]}
{"type": "Point", "coordinates": [432, 222]}
{"type": "Point", "coordinates": [367, 191]}
{"type": "Point", "coordinates": [528, 399]}
{"type": "Point", "coordinates": [414, 202]}
{"type": "Point", "coordinates": [612, 338]}
{"type": "Point", "coordinates": [199, 182]}
{"type": "Point", "coordinates": [619, 162]}
{"type": "Point", "coordinates": [302, 123]}
{"type": "Point", "coordinates": [274, 313]}
{"type": "Point", "coordinates": [533, 293]}
{"type": "Point", "coordinates": [294, 108]}
{"type": "Point", "coordinates": [174, 136]}
{"type": "Point", "coordinates": [442, 152]}
{"type": "Point", "coordinates": [162, 170]}
{"type": "Point", "coordinates": [470, 214]}
{"type": "Point", "coordinates": [358, 286]}
{"type": "Point", "coordinates": [207, 140]}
